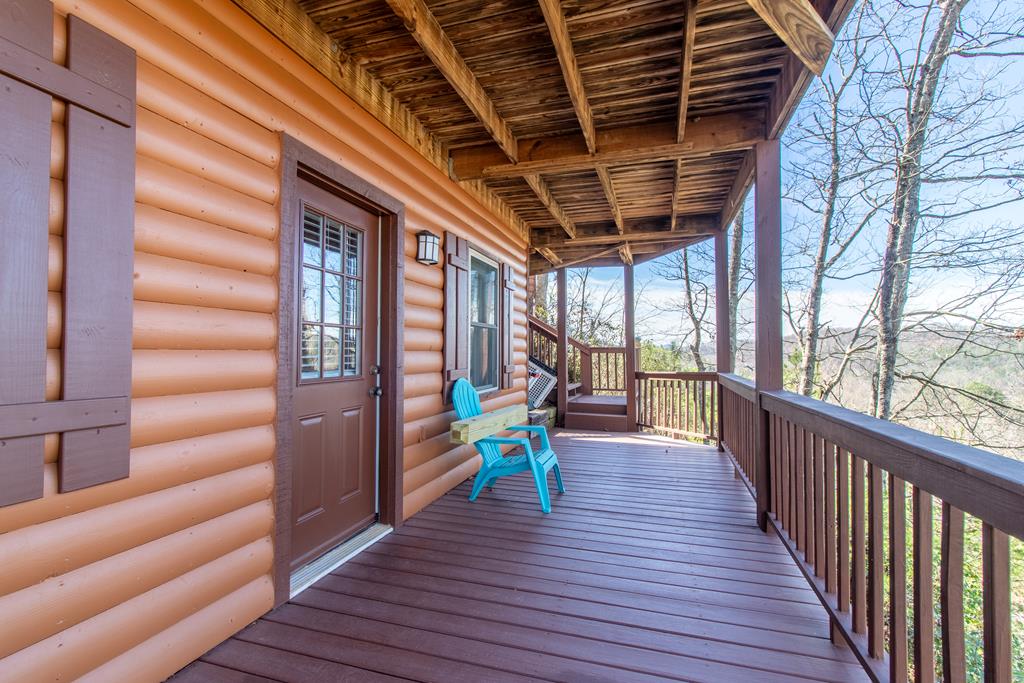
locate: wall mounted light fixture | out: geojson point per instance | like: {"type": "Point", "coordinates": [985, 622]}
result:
{"type": "Point", "coordinates": [427, 247]}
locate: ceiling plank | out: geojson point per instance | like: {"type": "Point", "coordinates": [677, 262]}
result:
{"type": "Point", "coordinates": [562, 41]}
{"type": "Point", "coordinates": [645, 143]}
{"type": "Point", "coordinates": [800, 27]}
{"type": "Point", "coordinates": [543, 192]}
{"type": "Point", "coordinates": [685, 73]}
{"type": "Point", "coordinates": [425, 29]}
{"type": "Point", "coordinates": [609, 193]}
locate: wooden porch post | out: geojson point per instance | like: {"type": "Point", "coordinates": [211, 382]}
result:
{"type": "Point", "coordinates": [723, 355]}
{"type": "Point", "coordinates": [768, 319]}
{"type": "Point", "coordinates": [563, 350]}
{"type": "Point", "coordinates": [629, 306]}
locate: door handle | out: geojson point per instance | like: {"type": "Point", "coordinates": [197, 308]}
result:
{"type": "Point", "coordinates": [376, 392]}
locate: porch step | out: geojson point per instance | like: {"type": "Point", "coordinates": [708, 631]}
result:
{"type": "Point", "coordinates": [598, 405]}
{"type": "Point", "coordinates": [596, 421]}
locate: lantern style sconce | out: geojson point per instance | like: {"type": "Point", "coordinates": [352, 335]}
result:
{"type": "Point", "coordinates": [427, 247]}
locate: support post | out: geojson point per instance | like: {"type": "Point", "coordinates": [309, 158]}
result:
{"type": "Point", "coordinates": [562, 389]}
{"type": "Point", "coordinates": [629, 311]}
{"type": "Point", "coordinates": [768, 318]}
{"type": "Point", "coordinates": [723, 343]}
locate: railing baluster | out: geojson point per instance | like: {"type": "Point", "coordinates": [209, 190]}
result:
{"type": "Point", "coordinates": [808, 445]}
{"type": "Point", "coordinates": [817, 456]}
{"type": "Point", "coordinates": [995, 550]}
{"type": "Point", "coordinates": [831, 573]}
{"type": "Point", "coordinates": [924, 603]}
{"type": "Point", "coordinates": [876, 566]}
{"type": "Point", "coordinates": [801, 493]}
{"type": "Point", "coordinates": [860, 602]}
{"type": "Point", "coordinates": [897, 580]}
{"type": "Point", "coordinates": [951, 595]}
{"type": "Point", "coordinates": [843, 549]}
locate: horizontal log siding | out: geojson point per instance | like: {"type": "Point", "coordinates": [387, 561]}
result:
{"type": "Point", "coordinates": [137, 577]}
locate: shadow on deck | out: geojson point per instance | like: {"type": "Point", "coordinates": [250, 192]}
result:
{"type": "Point", "coordinates": [649, 568]}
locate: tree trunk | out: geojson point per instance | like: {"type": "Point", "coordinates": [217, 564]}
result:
{"type": "Point", "coordinates": [735, 253]}
{"type": "Point", "coordinates": [903, 223]}
{"type": "Point", "coordinates": [691, 312]}
{"type": "Point", "coordinates": [812, 313]}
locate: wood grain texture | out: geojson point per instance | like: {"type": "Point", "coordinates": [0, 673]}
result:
{"type": "Point", "coordinates": [801, 27]}
{"type": "Point", "coordinates": [420, 22]}
{"type": "Point", "coordinates": [24, 188]}
{"type": "Point", "coordinates": [562, 41]}
{"type": "Point", "coordinates": [98, 229]}
{"type": "Point", "coordinates": [543, 193]}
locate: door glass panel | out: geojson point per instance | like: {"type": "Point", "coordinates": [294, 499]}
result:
{"type": "Point", "coordinates": [353, 302]}
{"type": "Point", "coordinates": [332, 246]}
{"type": "Point", "coordinates": [311, 294]}
{"type": "Point", "coordinates": [351, 352]}
{"type": "Point", "coordinates": [332, 299]}
{"type": "Point", "coordinates": [312, 224]}
{"type": "Point", "coordinates": [310, 351]}
{"type": "Point", "coordinates": [331, 352]}
{"type": "Point", "coordinates": [353, 251]}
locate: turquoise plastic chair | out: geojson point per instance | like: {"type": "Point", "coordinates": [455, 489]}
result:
{"type": "Point", "coordinates": [540, 462]}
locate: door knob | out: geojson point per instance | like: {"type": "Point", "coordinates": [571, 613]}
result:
{"type": "Point", "coordinates": [376, 392]}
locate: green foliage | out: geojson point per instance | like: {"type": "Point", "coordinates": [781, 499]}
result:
{"type": "Point", "coordinates": [656, 358]}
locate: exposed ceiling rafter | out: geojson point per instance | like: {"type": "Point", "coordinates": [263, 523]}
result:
{"type": "Point", "coordinates": [543, 192]}
{"type": "Point", "coordinates": [685, 73]}
{"type": "Point", "coordinates": [800, 27]}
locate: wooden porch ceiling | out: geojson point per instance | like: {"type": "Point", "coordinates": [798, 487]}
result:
{"type": "Point", "coordinates": [588, 112]}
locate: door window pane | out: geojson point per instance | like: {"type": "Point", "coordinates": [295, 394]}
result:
{"type": "Point", "coordinates": [350, 352]}
{"type": "Point", "coordinates": [332, 299]}
{"type": "Point", "coordinates": [311, 294]}
{"type": "Point", "coordinates": [312, 225]}
{"type": "Point", "coordinates": [353, 302]}
{"type": "Point", "coordinates": [332, 355]}
{"type": "Point", "coordinates": [332, 246]}
{"type": "Point", "coordinates": [310, 351]}
{"type": "Point", "coordinates": [353, 252]}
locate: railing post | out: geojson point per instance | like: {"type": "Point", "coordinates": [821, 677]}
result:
{"type": "Point", "coordinates": [723, 344]}
{"type": "Point", "coordinates": [586, 372]}
{"type": "Point", "coordinates": [768, 307]}
{"type": "Point", "coordinates": [630, 348]}
{"type": "Point", "coordinates": [562, 351]}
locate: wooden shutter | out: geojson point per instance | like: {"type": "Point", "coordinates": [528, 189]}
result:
{"type": "Point", "coordinates": [98, 86]}
{"type": "Point", "coordinates": [456, 310]}
{"type": "Point", "coordinates": [506, 326]}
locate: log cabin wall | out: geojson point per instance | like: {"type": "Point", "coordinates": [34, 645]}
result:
{"type": "Point", "coordinates": [135, 578]}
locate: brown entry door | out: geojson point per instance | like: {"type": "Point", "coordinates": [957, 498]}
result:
{"type": "Point", "coordinates": [334, 406]}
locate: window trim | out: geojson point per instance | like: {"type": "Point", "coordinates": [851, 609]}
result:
{"type": "Point", "coordinates": [476, 254]}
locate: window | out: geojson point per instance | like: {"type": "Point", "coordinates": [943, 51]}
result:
{"type": "Point", "coordinates": [483, 322]}
{"type": "Point", "coordinates": [332, 299]}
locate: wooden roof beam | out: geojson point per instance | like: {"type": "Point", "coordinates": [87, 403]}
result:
{"type": "Point", "coordinates": [550, 255]}
{"type": "Point", "coordinates": [626, 254]}
{"type": "Point", "coordinates": [800, 27]}
{"type": "Point", "coordinates": [543, 192]}
{"type": "Point", "coordinates": [426, 30]}
{"type": "Point", "coordinates": [685, 73]}
{"type": "Point", "coordinates": [636, 231]}
{"type": "Point", "coordinates": [562, 41]}
{"type": "Point", "coordinates": [609, 193]}
{"type": "Point", "coordinates": [621, 145]}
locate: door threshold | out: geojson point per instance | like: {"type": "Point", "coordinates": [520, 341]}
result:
{"type": "Point", "coordinates": [307, 575]}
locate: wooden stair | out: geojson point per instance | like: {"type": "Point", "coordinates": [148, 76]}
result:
{"type": "Point", "coordinates": [597, 413]}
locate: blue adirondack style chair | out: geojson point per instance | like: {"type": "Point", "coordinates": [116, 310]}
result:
{"type": "Point", "coordinates": [467, 405]}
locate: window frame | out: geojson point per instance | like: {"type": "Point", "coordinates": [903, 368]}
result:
{"type": "Point", "coordinates": [477, 255]}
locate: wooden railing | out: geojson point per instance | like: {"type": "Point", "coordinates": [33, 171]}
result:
{"type": "Point", "coordinates": [542, 343]}
{"type": "Point", "coordinates": [608, 364]}
{"type": "Point", "coordinates": [739, 416]}
{"type": "Point", "coordinates": [678, 404]}
{"type": "Point", "coordinates": [848, 491]}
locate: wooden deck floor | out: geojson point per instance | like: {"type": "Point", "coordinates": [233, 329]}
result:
{"type": "Point", "coordinates": [649, 568]}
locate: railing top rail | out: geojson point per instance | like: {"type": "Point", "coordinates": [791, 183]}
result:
{"type": "Point", "coordinates": [696, 376]}
{"type": "Point", "coordinates": [739, 385]}
{"type": "Point", "coordinates": [552, 334]}
{"type": "Point", "coordinates": [983, 484]}
{"type": "Point", "coordinates": [608, 349]}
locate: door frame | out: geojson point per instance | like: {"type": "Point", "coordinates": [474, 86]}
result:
{"type": "Point", "coordinates": [298, 159]}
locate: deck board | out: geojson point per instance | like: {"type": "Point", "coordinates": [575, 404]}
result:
{"type": "Point", "coordinates": [649, 568]}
